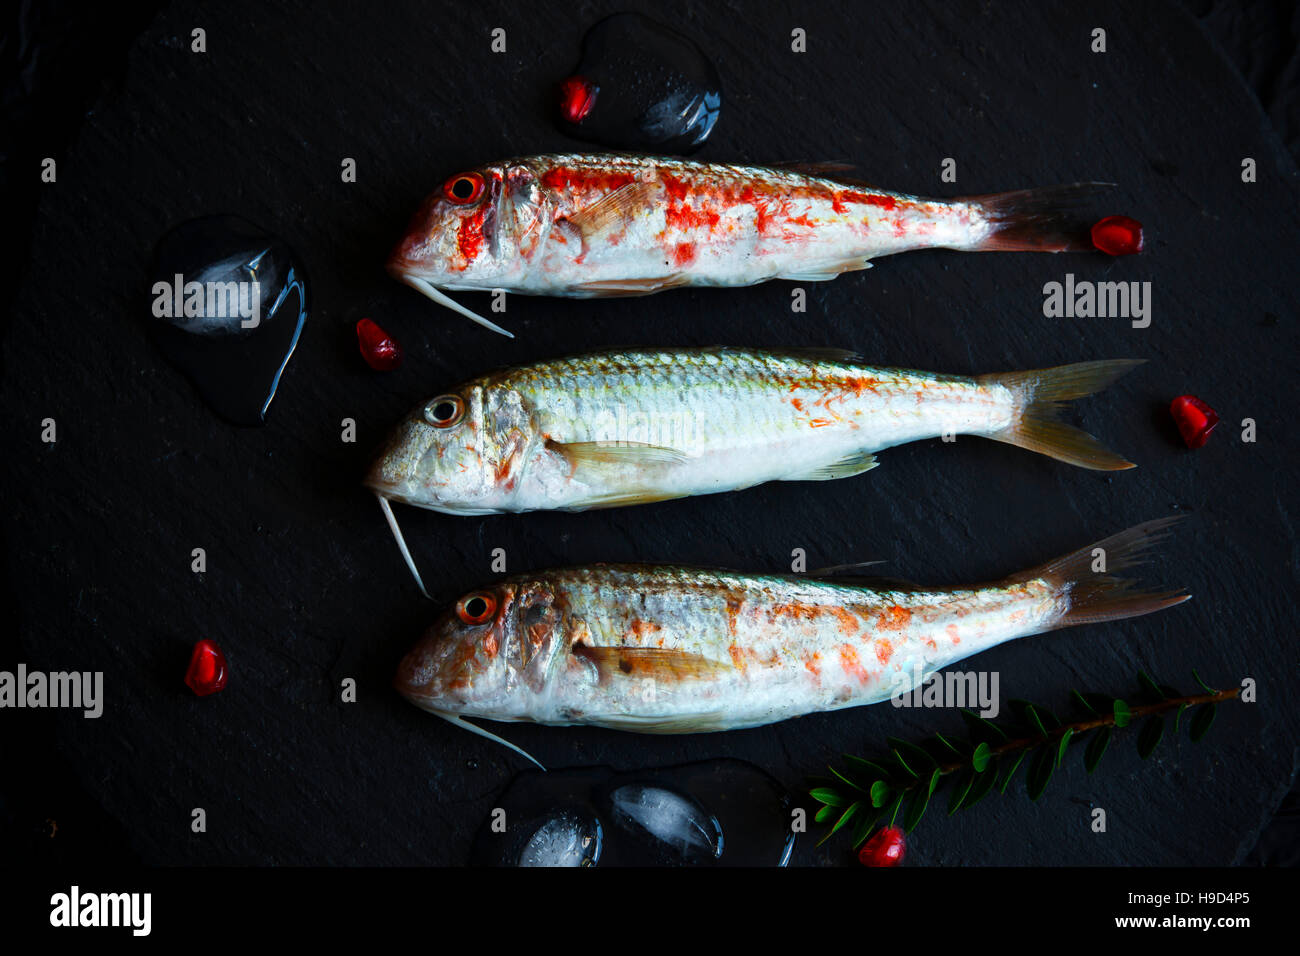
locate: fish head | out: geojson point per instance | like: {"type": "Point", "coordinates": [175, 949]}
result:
{"type": "Point", "coordinates": [475, 232]}
{"type": "Point", "coordinates": [462, 452]}
{"type": "Point", "coordinates": [489, 655]}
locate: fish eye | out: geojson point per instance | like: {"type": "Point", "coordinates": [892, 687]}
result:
{"type": "Point", "coordinates": [444, 411]}
{"type": "Point", "coordinates": [476, 608]}
{"type": "Point", "coordinates": [463, 188]}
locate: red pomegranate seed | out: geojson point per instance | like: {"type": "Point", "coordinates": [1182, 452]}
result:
{"type": "Point", "coordinates": [378, 348]}
{"type": "Point", "coordinates": [577, 97]}
{"type": "Point", "coordinates": [1118, 236]}
{"type": "Point", "coordinates": [207, 671]}
{"type": "Point", "coordinates": [886, 848]}
{"type": "Point", "coordinates": [1195, 419]}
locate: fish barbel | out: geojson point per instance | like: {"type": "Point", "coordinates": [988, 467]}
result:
{"type": "Point", "coordinates": [682, 650]}
{"type": "Point", "coordinates": [590, 225]}
{"type": "Point", "coordinates": [627, 427]}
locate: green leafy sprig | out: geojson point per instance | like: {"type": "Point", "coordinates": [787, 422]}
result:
{"type": "Point", "coordinates": [865, 792]}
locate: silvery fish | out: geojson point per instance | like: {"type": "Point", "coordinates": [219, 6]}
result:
{"type": "Point", "coordinates": [591, 225]}
{"type": "Point", "coordinates": [671, 650]}
{"type": "Point", "coordinates": [626, 427]}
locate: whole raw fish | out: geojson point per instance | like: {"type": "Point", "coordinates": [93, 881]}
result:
{"type": "Point", "coordinates": [588, 225]}
{"type": "Point", "coordinates": [683, 650]}
{"type": "Point", "coordinates": [620, 428]}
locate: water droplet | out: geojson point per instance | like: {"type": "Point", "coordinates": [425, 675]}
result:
{"type": "Point", "coordinates": [228, 305]}
{"type": "Point", "coordinates": [641, 85]}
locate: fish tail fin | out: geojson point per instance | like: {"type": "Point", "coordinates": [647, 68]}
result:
{"type": "Point", "coordinates": [1088, 585]}
{"type": "Point", "coordinates": [1037, 220]}
{"type": "Point", "coordinates": [1040, 394]}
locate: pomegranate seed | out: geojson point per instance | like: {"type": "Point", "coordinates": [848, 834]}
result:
{"type": "Point", "coordinates": [577, 97]}
{"type": "Point", "coordinates": [378, 348]}
{"type": "Point", "coordinates": [1195, 419]}
{"type": "Point", "coordinates": [1118, 236]}
{"type": "Point", "coordinates": [885, 848]}
{"type": "Point", "coordinates": [207, 671]}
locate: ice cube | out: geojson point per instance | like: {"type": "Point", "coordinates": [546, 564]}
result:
{"type": "Point", "coordinates": [675, 820]}
{"type": "Point", "coordinates": [563, 840]}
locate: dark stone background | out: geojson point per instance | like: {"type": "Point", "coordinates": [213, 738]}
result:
{"type": "Point", "coordinates": [305, 587]}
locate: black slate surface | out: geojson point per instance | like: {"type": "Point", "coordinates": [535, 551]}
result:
{"type": "Point", "coordinates": [304, 586]}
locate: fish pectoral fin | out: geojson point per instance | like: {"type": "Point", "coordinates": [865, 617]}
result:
{"type": "Point", "coordinates": [615, 211]}
{"type": "Point", "coordinates": [655, 663]}
{"type": "Point", "coordinates": [596, 453]}
{"type": "Point", "coordinates": [829, 271]}
{"type": "Point", "coordinates": [846, 467]}
{"type": "Point", "coordinates": [609, 288]}
{"type": "Point", "coordinates": [699, 723]}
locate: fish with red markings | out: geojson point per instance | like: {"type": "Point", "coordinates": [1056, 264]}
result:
{"type": "Point", "coordinates": [594, 225]}
{"type": "Point", "coordinates": [672, 650]}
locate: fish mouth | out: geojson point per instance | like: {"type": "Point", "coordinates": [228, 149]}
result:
{"type": "Point", "coordinates": [399, 270]}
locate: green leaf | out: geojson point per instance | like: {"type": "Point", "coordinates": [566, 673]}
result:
{"type": "Point", "coordinates": [1011, 772]}
{"type": "Point", "coordinates": [1150, 687]}
{"type": "Point", "coordinates": [918, 757]}
{"type": "Point", "coordinates": [915, 810]}
{"type": "Point", "coordinates": [824, 814]}
{"type": "Point", "coordinates": [879, 793]}
{"type": "Point", "coordinates": [934, 780]}
{"type": "Point", "coordinates": [1034, 717]}
{"type": "Point", "coordinates": [1178, 717]}
{"type": "Point", "coordinates": [1149, 736]}
{"type": "Point", "coordinates": [903, 764]}
{"type": "Point", "coordinates": [1122, 714]}
{"type": "Point", "coordinates": [1065, 742]}
{"type": "Point", "coordinates": [983, 784]}
{"type": "Point", "coordinates": [829, 796]}
{"type": "Point", "coordinates": [845, 779]}
{"type": "Point", "coordinates": [893, 810]}
{"type": "Point", "coordinates": [873, 770]}
{"type": "Point", "coordinates": [1096, 747]}
{"type": "Point", "coordinates": [1040, 770]}
{"type": "Point", "coordinates": [847, 816]}
{"type": "Point", "coordinates": [1082, 702]}
{"type": "Point", "coordinates": [980, 759]}
{"type": "Point", "coordinates": [844, 818]}
{"type": "Point", "coordinates": [1208, 689]}
{"type": "Point", "coordinates": [959, 791]}
{"type": "Point", "coordinates": [947, 744]}
{"type": "Point", "coordinates": [982, 729]}
{"type": "Point", "coordinates": [863, 827]}
{"type": "Point", "coordinates": [1201, 721]}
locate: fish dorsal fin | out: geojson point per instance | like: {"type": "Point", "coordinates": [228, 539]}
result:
{"type": "Point", "coordinates": [658, 663]}
{"type": "Point", "coordinates": [874, 582]}
{"type": "Point", "coordinates": [615, 210]}
{"type": "Point", "coordinates": [846, 467]}
{"type": "Point", "coordinates": [843, 569]}
{"type": "Point", "coordinates": [825, 168]}
{"type": "Point", "coordinates": [820, 354]}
